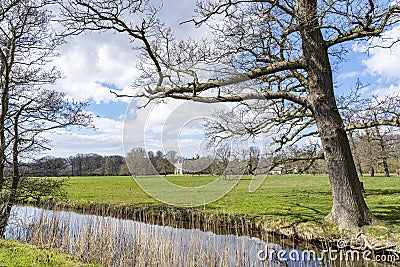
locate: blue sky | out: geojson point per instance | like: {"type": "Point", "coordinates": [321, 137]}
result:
{"type": "Point", "coordinates": [94, 63]}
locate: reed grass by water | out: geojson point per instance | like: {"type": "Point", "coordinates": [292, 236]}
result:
{"type": "Point", "coordinates": [116, 242]}
{"type": "Point", "coordinates": [119, 242]}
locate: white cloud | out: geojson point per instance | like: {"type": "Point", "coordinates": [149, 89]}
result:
{"type": "Point", "coordinates": [110, 126]}
{"type": "Point", "coordinates": [175, 12]}
{"type": "Point", "coordinates": [350, 74]}
{"type": "Point", "coordinates": [106, 140]}
{"type": "Point", "coordinates": [90, 61]}
{"type": "Point", "coordinates": [94, 63]}
{"type": "Point", "coordinates": [391, 90]}
{"type": "Point", "coordinates": [65, 144]}
{"type": "Point", "coordinates": [93, 58]}
{"type": "Point", "coordinates": [174, 125]}
{"type": "Point", "coordinates": [384, 61]}
{"type": "Point", "coordinates": [381, 64]}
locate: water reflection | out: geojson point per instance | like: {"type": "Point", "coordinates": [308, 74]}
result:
{"type": "Point", "coordinates": [117, 242]}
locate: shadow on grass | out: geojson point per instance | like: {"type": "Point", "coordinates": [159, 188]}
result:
{"type": "Point", "coordinates": [372, 192]}
{"type": "Point", "coordinates": [318, 212]}
{"type": "Point", "coordinates": [299, 214]}
{"type": "Point", "coordinates": [389, 211]}
{"type": "Point", "coordinates": [390, 214]}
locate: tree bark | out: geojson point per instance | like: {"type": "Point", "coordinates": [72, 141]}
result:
{"type": "Point", "coordinates": [349, 208]}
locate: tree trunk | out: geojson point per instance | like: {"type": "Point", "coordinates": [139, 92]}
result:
{"type": "Point", "coordinates": [15, 159]}
{"type": "Point", "coordinates": [372, 172]}
{"type": "Point", "coordinates": [5, 211]}
{"type": "Point", "coordinates": [360, 172]}
{"type": "Point", "coordinates": [3, 115]}
{"type": "Point", "coordinates": [383, 151]}
{"type": "Point", "coordinates": [7, 61]}
{"type": "Point", "coordinates": [349, 208]}
{"type": "Point", "coordinates": [386, 168]}
{"type": "Point", "coordinates": [6, 208]}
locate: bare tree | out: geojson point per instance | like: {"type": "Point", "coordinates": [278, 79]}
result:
{"type": "Point", "coordinates": [377, 149]}
{"type": "Point", "coordinates": [138, 161]}
{"type": "Point", "coordinates": [253, 159]}
{"type": "Point", "coordinates": [371, 157]}
{"type": "Point", "coordinates": [162, 164]}
{"type": "Point", "coordinates": [281, 53]}
{"type": "Point", "coordinates": [172, 156]}
{"type": "Point", "coordinates": [380, 136]}
{"type": "Point", "coordinates": [5, 6]}
{"type": "Point", "coordinates": [27, 44]}
{"type": "Point", "coordinates": [112, 165]}
{"type": "Point", "coordinates": [371, 121]}
{"type": "Point", "coordinates": [355, 152]}
{"type": "Point", "coordinates": [223, 153]}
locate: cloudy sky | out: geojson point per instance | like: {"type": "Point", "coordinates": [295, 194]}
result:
{"type": "Point", "coordinates": [94, 63]}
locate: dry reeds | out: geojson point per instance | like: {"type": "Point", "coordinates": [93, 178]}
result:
{"type": "Point", "coordinates": [118, 242]}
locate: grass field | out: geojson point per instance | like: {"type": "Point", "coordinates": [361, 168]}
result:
{"type": "Point", "coordinates": [19, 254]}
{"type": "Point", "coordinates": [294, 198]}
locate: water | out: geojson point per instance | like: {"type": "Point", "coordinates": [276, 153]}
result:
{"type": "Point", "coordinates": [117, 242]}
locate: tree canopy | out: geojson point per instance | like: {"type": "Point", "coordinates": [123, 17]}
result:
{"type": "Point", "coordinates": [278, 54]}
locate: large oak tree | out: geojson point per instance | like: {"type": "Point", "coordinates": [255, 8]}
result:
{"type": "Point", "coordinates": [282, 54]}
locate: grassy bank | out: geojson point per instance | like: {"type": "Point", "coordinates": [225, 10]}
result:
{"type": "Point", "coordinates": [289, 203]}
{"type": "Point", "coordinates": [14, 253]}
{"type": "Point", "coordinates": [294, 198]}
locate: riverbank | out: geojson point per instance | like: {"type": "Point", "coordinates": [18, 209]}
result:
{"type": "Point", "coordinates": [101, 239]}
{"type": "Point", "coordinates": [288, 207]}
{"type": "Point", "coordinates": [381, 237]}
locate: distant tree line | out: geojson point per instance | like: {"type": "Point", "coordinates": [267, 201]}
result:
{"type": "Point", "coordinates": [226, 160]}
{"type": "Point", "coordinates": [142, 162]}
{"type": "Point", "coordinates": [78, 165]}
{"type": "Point", "coordinates": [374, 150]}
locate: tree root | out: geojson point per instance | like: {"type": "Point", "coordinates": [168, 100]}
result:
{"type": "Point", "coordinates": [363, 243]}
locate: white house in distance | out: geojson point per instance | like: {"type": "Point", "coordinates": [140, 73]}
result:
{"type": "Point", "coordinates": [276, 170]}
{"type": "Point", "coordinates": [178, 168]}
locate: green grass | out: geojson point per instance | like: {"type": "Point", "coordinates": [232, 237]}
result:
{"type": "Point", "coordinates": [294, 198]}
{"type": "Point", "coordinates": [107, 189]}
{"type": "Point", "coordinates": [19, 254]}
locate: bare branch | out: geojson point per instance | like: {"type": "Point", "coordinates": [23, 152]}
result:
{"type": "Point", "coordinates": [366, 28]}
{"type": "Point", "coordinates": [395, 121]}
